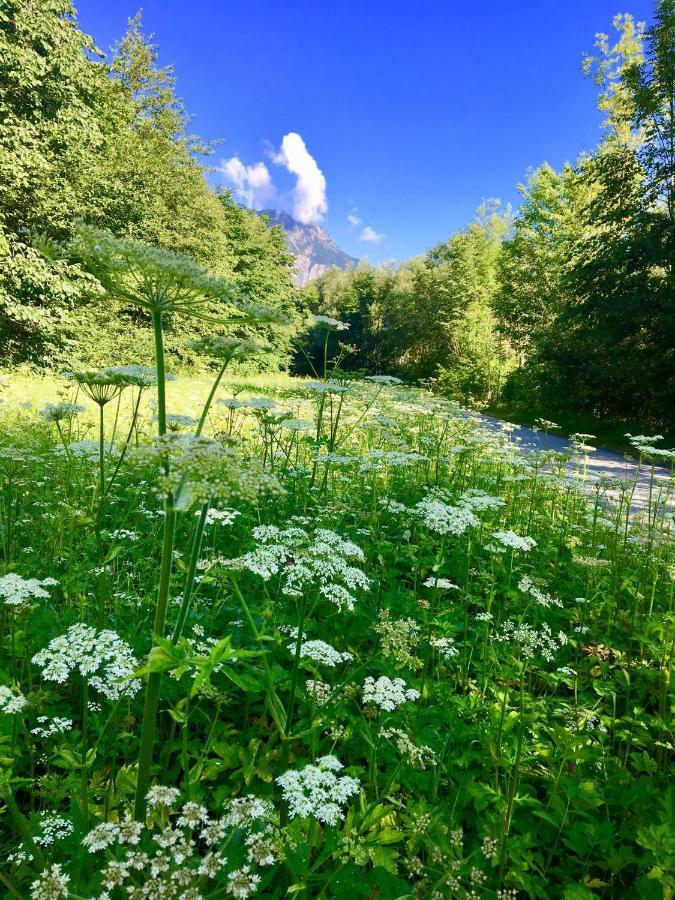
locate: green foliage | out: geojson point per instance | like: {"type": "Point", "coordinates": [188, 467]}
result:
{"type": "Point", "coordinates": [587, 285]}
{"type": "Point", "coordinates": [430, 318]}
{"type": "Point", "coordinates": [106, 142]}
{"type": "Point", "coordinates": [532, 753]}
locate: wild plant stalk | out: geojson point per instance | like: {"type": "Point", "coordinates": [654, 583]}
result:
{"type": "Point", "coordinates": [150, 709]}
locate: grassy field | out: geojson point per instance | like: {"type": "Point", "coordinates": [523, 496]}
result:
{"type": "Point", "coordinates": [344, 643]}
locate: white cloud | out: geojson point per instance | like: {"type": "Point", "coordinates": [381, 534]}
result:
{"type": "Point", "coordinates": [309, 194]}
{"type": "Point", "coordinates": [353, 218]}
{"type": "Point", "coordinates": [369, 234]}
{"type": "Point", "coordinates": [252, 184]}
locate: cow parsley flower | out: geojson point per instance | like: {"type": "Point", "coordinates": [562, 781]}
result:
{"type": "Point", "coordinates": [52, 884]}
{"type": "Point", "coordinates": [17, 591]}
{"type": "Point", "coordinates": [443, 519]}
{"type": "Point", "coordinates": [443, 584]}
{"type": "Point", "coordinates": [383, 379]}
{"type": "Point", "coordinates": [244, 811]}
{"type": "Point", "coordinates": [160, 795]}
{"type": "Point", "coordinates": [419, 757]}
{"type": "Point", "coordinates": [329, 323]}
{"type": "Point", "coordinates": [321, 652]}
{"type": "Point", "coordinates": [57, 412]}
{"type": "Point", "coordinates": [530, 640]}
{"type": "Point", "coordinates": [514, 541]}
{"type": "Point", "coordinates": [527, 586]}
{"type": "Point", "coordinates": [388, 693]}
{"type": "Point", "coordinates": [242, 882]}
{"type": "Point", "coordinates": [445, 646]}
{"type": "Point", "coordinates": [322, 387]}
{"type": "Point", "coordinates": [316, 790]}
{"type": "Point", "coordinates": [11, 701]}
{"type": "Point", "coordinates": [102, 658]}
{"type": "Point", "coordinates": [304, 561]}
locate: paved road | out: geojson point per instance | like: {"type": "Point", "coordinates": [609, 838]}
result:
{"type": "Point", "coordinates": [601, 464]}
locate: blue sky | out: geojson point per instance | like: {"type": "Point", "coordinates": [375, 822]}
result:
{"type": "Point", "coordinates": [401, 114]}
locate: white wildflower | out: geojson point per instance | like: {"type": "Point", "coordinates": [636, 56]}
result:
{"type": "Point", "coordinates": [388, 693]}
{"type": "Point", "coordinates": [317, 791]}
{"type": "Point", "coordinates": [102, 658]}
{"type": "Point", "coordinates": [320, 651]}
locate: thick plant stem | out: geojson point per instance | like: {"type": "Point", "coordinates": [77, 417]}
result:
{"type": "Point", "coordinates": [154, 679]}
{"type": "Point", "coordinates": [145, 754]}
{"type": "Point", "coordinates": [101, 451]}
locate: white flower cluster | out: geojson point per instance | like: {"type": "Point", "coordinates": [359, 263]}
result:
{"type": "Point", "coordinates": [322, 560]}
{"type": "Point", "coordinates": [383, 379]}
{"type": "Point", "coordinates": [188, 850]}
{"type": "Point", "coordinates": [419, 757]}
{"type": "Point", "coordinates": [330, 323]}
{"type": "Point", "coordinates": [318, 691]}
{"type": "Point", "coordinates": [321, 652]}
{"type": "Point", "coordinates": [479, 500]}
{"type": "Point", "coordinates": [17, 591]}
{"type": "Point", "coordinates": [530, 641]}
{"type": "Point", "coordinates": [445, 646]}
{"type": "Point", "coordinates": [222, 516]}
{"type": "Point", "coordinates": [57, 412]}
{"type": "Point", "coordinates": [244, 811]}
{"type": "Point", "coordinates": [527, 586]}
{"type": "Point", "coordinates": [514, 541]}
{"type": "Point", "coordinates": [102, 658]}
{"type": "Point", "coordinates": [442, 518]}
{"type": "Point", "coordinates": [317, 791]}
{"type": "Point", "coordinates": [443, 584]}
{"type": "Point", "coordinates": [388, 693]}
{"type": "Point", "coordinates": [11, 701]}
{"type": "Point", "coordinates": [325, 387]}
{"type": "Point", "coordinates": [52, 884]}
{"type": "Point", "coordinates": [46, 727]}
{"type": "Point", "coordinates": [395, 458]}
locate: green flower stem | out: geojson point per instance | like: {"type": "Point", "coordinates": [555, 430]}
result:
{"type": "Point", "coordinates": [188, 589]}
{"type": "Point", "coordinates": [209, 399]}
{"type": "Point", "coordinates": [149, 722]}
{"type": "Point", "coordinates": [84, 780]}
{"type": "Point", "coordinates": [21, 824]}
{"type": "Point", "coordinates": [296, 666]}
{"type": "Point", "coordinates": [127, 442]}
{"type": "Point", "coordinates": [151, 707]}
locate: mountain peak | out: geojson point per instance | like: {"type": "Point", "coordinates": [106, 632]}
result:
{"type": "Point", "coordinates": [314, 249]}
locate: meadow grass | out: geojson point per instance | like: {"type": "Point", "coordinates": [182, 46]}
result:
{"type": "Point", "coordinates": [396, 657]}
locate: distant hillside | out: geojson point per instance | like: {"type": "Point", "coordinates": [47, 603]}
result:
{"type": "Point", "coordinates": [315, 251]}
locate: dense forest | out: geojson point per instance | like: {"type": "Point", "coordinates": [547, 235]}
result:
{"type": "Point", "coordinates": [568, 303]}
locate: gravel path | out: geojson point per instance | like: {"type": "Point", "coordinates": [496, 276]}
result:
{"type": "Point", "coordinates": [601, 464]}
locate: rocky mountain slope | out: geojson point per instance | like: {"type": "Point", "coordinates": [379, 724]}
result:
{"type": "Point", "coordinates": [314, 249]}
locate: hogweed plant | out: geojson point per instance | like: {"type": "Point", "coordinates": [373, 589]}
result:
{"type": "Point", "coordinates": [355, 643]}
